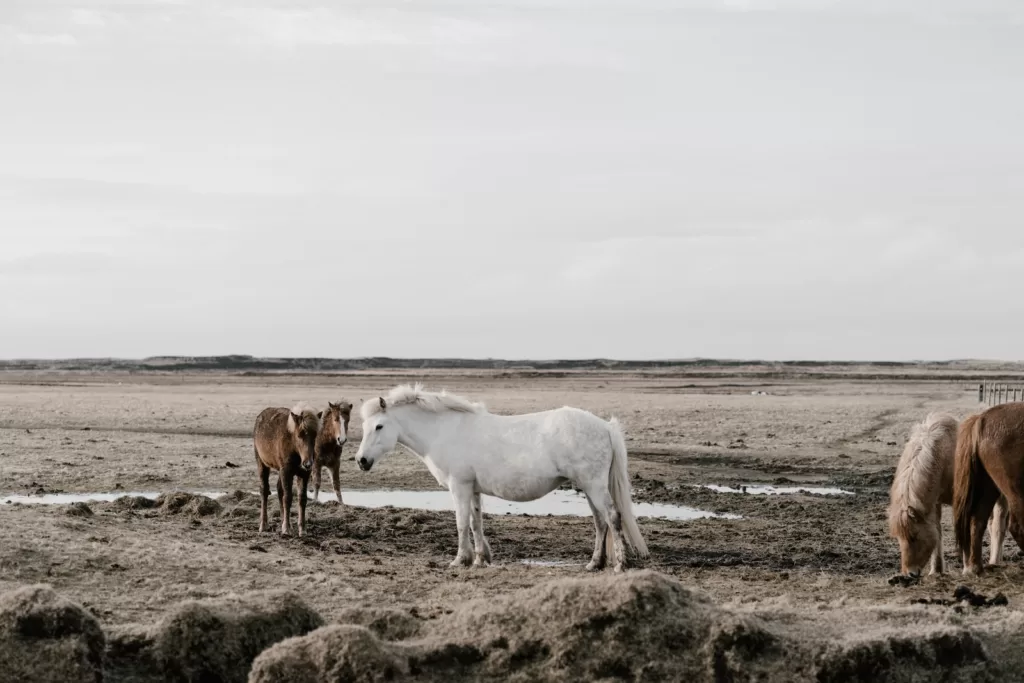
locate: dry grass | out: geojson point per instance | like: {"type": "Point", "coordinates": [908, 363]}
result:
{"type": "Point", "coordinates": [795, 567]}
{"type": "Point", "coordinates": [46, 638]}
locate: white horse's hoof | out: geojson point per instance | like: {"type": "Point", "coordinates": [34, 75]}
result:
{"type": "Point", "coordinates": [619, 569]}
{"type": "Point", "coordinates": [481, 562]}
{"type": "Point", "coordinates": [460, 562]}
{"type": "Point", "coordinates": [594, 566]}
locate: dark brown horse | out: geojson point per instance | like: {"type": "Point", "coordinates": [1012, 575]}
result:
{"type": "Point", "coordinates": [333, 435]}
{"type": "Point", "coordinates": [285, 440]}
{"type": "Point", "coordinates": [989, 462]}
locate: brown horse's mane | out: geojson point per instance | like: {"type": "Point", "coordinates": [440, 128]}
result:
{"type": "Point", "coordinates": [915, 487]}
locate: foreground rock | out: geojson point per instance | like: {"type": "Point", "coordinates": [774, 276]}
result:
{"type": "Point", "coordinates": [217, 640]}
{"type": "Point", "coordinates": [208, 640]}
{"type": "Point", "coordinates": [45, 638]}
{"type": "Point", "coordinates": [642, 626]}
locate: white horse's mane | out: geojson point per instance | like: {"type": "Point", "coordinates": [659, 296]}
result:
{"type": "Point", "coordinates": [918, 473]}
{"type": "Point", "coordinates": [431, 401]}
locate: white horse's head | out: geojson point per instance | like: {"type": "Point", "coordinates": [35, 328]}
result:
{"type": "Point", "coordinates": [380, 436]}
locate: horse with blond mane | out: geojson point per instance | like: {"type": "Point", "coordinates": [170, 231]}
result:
{"type": "Point", "coordinates": [472, 451]}
{"type": "Point", "coordinates": [285, 440]}
{"type": "Point", "coordinates": [922, 485]}
{"type": "Point", "coordinates": [329, 442]}
{"type": "Point", "coordinates": [989, 464]}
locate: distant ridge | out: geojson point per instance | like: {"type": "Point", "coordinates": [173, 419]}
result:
{"type": "Point", "coordinates": [692, 367]}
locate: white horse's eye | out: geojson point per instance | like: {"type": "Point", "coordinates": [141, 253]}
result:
{"type": "Point", "coordinates": [379, 427]}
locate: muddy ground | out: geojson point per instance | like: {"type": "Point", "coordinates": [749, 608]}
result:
{"type": "Point", "coordinates": [829, 554]}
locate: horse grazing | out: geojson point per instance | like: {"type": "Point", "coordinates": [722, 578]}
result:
{"type": "Point", "coordinates": [989, 462]}
{"type": "Point", "coordinates": [285, 440]}
{"type": "Point", "coordinates": [472, 451]}
{"type": "Point", "coordinates": [922, 485]}
{"type": "Point", "coordinates": [333, 435]}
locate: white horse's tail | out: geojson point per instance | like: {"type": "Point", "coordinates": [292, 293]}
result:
{"type": "Point", "coordinates": [618, 485]}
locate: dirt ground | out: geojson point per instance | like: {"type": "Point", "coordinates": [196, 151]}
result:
{"type": "Point", "coordinates": [829, 554]}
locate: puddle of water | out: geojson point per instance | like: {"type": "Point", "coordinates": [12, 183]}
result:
{"type": "Point", "coordinates": [557, 503]}
{"type": "Point", "coordinates": [69, 498]}
{"type": "Point", "coordinates": [766, 489]}
{"type": "Point", "coordinates": [548, 563]}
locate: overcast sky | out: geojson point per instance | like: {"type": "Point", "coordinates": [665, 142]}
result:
{"type": "Point", "coordinates": [525, 178]}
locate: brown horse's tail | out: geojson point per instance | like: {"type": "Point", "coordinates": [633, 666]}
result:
{"type": "Point", "coordinates": [968, 478]}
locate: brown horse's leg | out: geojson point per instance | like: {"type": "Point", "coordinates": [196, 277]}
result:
{"type": "Point", "coordinates": [986, 501]}
{"type": "Point", "coordinates": [303, 485]}
{"type": "Point", "coordinates": [1015, 504]}
{"type": "Point", "coordinates": [264, 473]}
{"type": "Point", "coordinates": [336, 478]}
{"type": "Point", "coordinates": [317, 468]}
{"type": "Point", "coordinates": [286, 507]}
{"type": "Point", "coordinates": [280, 493]}
{"type": "Point", "coordinates": [938, 562]}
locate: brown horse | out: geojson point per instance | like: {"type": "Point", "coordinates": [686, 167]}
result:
{"type": "Point", "coordinates": [989, 462]}
{"type": "Point", "coordinates": [285, 440]}
{"type": "Point", "coordinates": [333, 435]}
{"type": "Point", "coordinates": [923, 483]}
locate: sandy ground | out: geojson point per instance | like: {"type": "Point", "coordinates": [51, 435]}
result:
{"type": "Point", "coordinates": [62, 433]}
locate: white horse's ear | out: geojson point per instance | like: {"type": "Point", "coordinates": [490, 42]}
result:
{"type": "Point", "coordinates": [383, 404]}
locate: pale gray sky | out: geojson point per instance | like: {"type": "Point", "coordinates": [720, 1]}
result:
{"type": "Point", "coordinates": [525, 178]}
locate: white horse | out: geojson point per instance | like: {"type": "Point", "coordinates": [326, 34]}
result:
{"type": "Point", "coordinates": [471, 451]}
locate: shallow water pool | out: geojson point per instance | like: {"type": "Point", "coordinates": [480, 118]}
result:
{"type": "Point", "coordinates": [768, 490]}
{"type": "Point", "coordinates": [559, 502]}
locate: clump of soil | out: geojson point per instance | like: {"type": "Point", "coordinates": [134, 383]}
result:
{"type": "Point", "coordinates": [45, 638]}
{"type": "Point", "coordinates": [131, 656]}
{"type": "Point", "coordinates": [180, 502]}
{"type": "Point", "coordinates": [218, 639]}
{"type": "Point", "coordinates": [952, 655]}
{"type": "Point", "coordinates": [78, 510]}
{"type": "Point", "coordinates": [963, 594]}
{"type": "Point", "coordinates": [332, 654]}
{"type": "Point", "coordinates": [641, 626]}
{"type": "Point", "coordinates": [385, 623]}
{"type": "Point", "coordinates": [133, 503]}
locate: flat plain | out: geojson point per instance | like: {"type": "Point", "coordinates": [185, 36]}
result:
{"type": "Point", "coordinates": [824, 555]}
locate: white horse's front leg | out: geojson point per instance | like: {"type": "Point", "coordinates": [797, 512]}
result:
{"type": "Point", "coordinates": [462, 494]}
{"type": "Point", "coordinates": [481, 548]}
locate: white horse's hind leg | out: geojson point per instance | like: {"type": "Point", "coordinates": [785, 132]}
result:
{"type": "Point", "coordinates": [601, 528]}
{"type": "Point", "coordinates": [997, 531]}
{"type": "Point", "coordinates": [463, 497]}
{"type": "Point", "coordinates": [481, 548]}
{"type": "Point", "coordinates": [601, 500]}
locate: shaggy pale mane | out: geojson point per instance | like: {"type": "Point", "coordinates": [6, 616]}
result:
{"type": "Point", "coordinates": [915, 485]}
{"type": "Point", "coordinates": [309, 416]}
{"type": "Point", "coordinates": [414, 395]}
